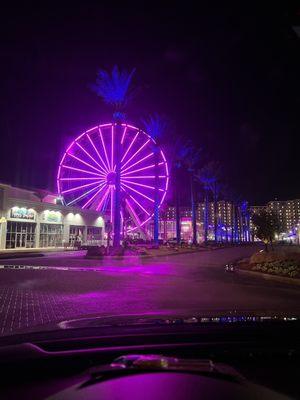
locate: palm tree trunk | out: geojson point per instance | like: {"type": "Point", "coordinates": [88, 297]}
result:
{"type": "Point", "coordinates": [194, 221]}
{"type": "Point", "coordinates": [117, 202]}
{"type": "Point", "coordinates": [178, 226]}
{"type": "Point", "coordinates": [232, 222]}
{"type": "Point", "coordinates": [215, 215]}
{"type": "Point", "coordinates": [156, 198]}
{"type": "Point", "coordinates": [206, 217]}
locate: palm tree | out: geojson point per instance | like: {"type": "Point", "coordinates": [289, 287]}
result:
{"type": "Point", "coordinates": [208, 176]}
{"type": "Point", "coordinates": [156, 126]}
{"type": "Point", "coordinates": [177, 154]}
{"type": "Point", "coordinates": [115, 89]}
{"type": "Point", "coordinates": [191, 160]}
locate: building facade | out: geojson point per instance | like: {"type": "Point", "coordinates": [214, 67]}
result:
{"type": "Point", "coordinates": [226, 218]}
{"type": "Point", "coordinates": [37, 219]}
{"type": "Point", "coordinates": [288, 213]}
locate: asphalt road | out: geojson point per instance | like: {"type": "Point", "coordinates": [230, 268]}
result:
{"type": "Point", "coordinates": [64, 286]}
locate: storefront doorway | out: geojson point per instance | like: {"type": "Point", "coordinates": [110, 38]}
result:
{"type": "Point", "coordinates": [20, 235]}
{"type": "Point", "coordinates": [76, 235]}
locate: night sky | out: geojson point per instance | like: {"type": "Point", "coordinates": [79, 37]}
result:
{"type": "Point", "coordinates": [227, 78]}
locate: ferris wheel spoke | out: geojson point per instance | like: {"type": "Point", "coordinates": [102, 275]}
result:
{"type": "Point", "coordinates": [133, 214]}
{"type": "Point", "coordinates": [112, 148]}
{"type": "Point", "coordinates": [137, 162]}
{"type": "Point", "coordinates": [129, 147]}
{"type": "Point", "coordinates": [81, 178]}
{"type": "Point", "coordinates": [81, 170]}
{"type": "Point", "coordinates": [101, 187]}
{"type": "Point", "coordinates": [111, 203]}
{"type": "Point", "coordinates": [136, 153]}
{"type": "Point", "coordinates": [82, 195]}
{"type": "Point", "coordinates": [84, 162]}
{"type": "Point", "coordinates": [144, 177]}
{"type": "Point", "coordinates": [103, 199]}
{"type": "Point", "coordinates": [137, 192]}
{"type": "Point", "coordinates": [140, 169]}
{"type": "Point", "coordinates": [104, 149]}
{"type": "Point", "coordinates": [90, 156]}
{"type": "Point", "coordinates": [137, 184]}
{"type": "Point", "coordinates": [124, 133]}
{"type": "Point", "coordinates": [82, 186]}
{"type": "Point", "coordinates": [139, 204]}
{"type": "Point", "coordinates": [106, 167]}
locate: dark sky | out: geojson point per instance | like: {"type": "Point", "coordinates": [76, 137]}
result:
{"type": "Point", "coordinates": [227, 76]}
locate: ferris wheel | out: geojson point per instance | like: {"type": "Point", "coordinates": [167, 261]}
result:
{"type": "Point", "coordinates": [86, 173]}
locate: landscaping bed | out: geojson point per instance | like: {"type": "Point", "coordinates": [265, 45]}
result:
{"type": "Point", "coordinates": [280, 262]}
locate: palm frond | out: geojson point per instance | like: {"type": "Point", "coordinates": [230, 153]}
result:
{"type": "Point", "coordinates": [114, 87]}
{"type": "Point", "coordinates": [156, 126]}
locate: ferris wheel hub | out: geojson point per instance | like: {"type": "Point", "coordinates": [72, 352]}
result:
{"type": "Point", "coordinates": [111, 178]}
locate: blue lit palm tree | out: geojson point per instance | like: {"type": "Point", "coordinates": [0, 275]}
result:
{"type": "Point", "coordinates": [208, 177]}
{"type": "Point", "coordinates": [115, 89]}
{"type": "Point", "coordinates": [156, 126]}
{"type": "Point", "coordinates": [191, 161]}
{"type": "Point", "coordinates": [178, 153]}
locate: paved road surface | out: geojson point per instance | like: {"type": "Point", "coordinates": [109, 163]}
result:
{"type": "Point", "coordinates": [186, 284]}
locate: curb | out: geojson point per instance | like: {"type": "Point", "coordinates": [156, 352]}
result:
{"type": "Point", "coordinates": [153, 256]}
{"type": "Point", "coordinates": [140, 256]}
{"type": "Point", "coordinates": [276, 278]}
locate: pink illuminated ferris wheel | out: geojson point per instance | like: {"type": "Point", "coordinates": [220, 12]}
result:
{"type": "Point", "coordinates": [86, 173]}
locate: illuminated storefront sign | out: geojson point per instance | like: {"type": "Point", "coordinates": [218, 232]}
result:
{"type": "Point", "coordinates": [52, 216]}
{"type": "Point", "coordinates": [22, 213]}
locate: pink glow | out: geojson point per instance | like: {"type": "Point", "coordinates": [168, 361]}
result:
{"type": "Point", "coordinates": [137, 162]}
{"type": "Point", "coordinates": [136, 191]}
{"type": "Point", "coordinates": [84, 162]}
{"type": "Point", "coordinates": [136, 153]}
{"type": "Point", "coordinates": [129, 147]}
{"type": "Point", "coordinates": [112, 148]}
{"type": "Point", "coordinates": [101, 187]}
{"type": "Point", "coordinates": [91, 157]}
{"type": "Point", "coordinates": [98, 157]}
{"type": "Point", "coordinates": [140, 169]}
{"type": "Point", "coordinates": [137, 184]}
{"type": "Point", "coordinates": [145, 211]}
{"type": "Point", "coordinates": [123, 136]}
{"type": "Point", "coordinates": [82, 186]}
{"type": "Point", "coordinates": [82, 178]}
{"type": "Point", "coordinates": [102, 200]}
{"type": "Point", "coordinates": [104, 148]}
{"type": "Point", "coordinates": [80, 170]}
{"type": "Point", "coordinates": [82, 195]}
{"type": "Point", "coordinates": [111, 203]}
{"type": "Point", "coordinates": [141, 177]}
{"type": "Point", "coordinates": [92, 143]}
{"type": "Point", "coordinates": [138, 221]}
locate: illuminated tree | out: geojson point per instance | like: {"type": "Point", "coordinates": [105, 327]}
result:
{"type": "Point", "coordinates": [178, 152]}
{"type": "Point", "coordinates": [208, 177]}
{"type": "Point", "coordinates": [266, 225]}
{"type": "Point", "coordinates": [191, 160]}
{"type": "Point", "coordinates": [156, 126]}
{"type": "Point", "coordinates": [115, 89]}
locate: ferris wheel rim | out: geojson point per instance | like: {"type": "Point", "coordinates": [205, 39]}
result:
{"type": "Point", "coordinates": [100, 170]}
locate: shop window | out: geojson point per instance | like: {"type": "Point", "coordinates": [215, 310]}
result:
{"type": "Point", "coordinates": [20, 235]}
{"type": "Point", "coordinates": [51, 235]}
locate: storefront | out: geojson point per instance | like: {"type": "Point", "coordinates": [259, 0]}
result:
{"type": "Point", "coordinates": [27, 222]}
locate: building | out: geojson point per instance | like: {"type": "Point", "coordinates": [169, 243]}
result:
{"type": "Point", "coordinates": [225, 219]}
{"type": "Point", "coordinates": [38, 219]}
{"type": "Point", "coordinates": [288, 213]}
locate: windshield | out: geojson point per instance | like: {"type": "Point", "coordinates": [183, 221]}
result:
{"type": "Point", "coordinates": [149, 166]}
